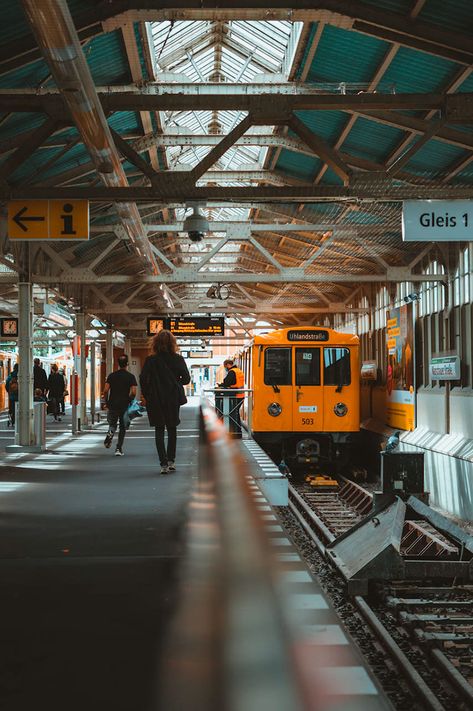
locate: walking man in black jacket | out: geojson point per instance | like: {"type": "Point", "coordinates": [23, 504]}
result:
{"type": "Point", "coordinates": [119, 391]}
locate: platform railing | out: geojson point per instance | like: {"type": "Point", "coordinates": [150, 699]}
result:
{"type": "Point", "coordinates": [235, 412]}
{"type": "Point", "coordinates": [228, 646]}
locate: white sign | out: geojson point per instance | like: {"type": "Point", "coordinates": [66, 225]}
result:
{"type": "Point", "coordinates": [307, 408]}
{"type": "Point", "coordinates": [437, 220]}
{"type": "Point", "coordinates": [445, 368]}
{"type": "Point", "coordinates": [54, 313]}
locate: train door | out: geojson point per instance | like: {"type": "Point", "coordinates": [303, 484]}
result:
{"type": "Point", "coordinates": [307, 404]}
{"type": "Point", "coordinates": [338, 398]}
{"type": "Point", "coordinates": [273, 405]}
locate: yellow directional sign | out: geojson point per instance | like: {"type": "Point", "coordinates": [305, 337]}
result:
{"type": "Point", "coordinates": [28, 219]}
{"type": "Point", "coordinates": [48, 220]}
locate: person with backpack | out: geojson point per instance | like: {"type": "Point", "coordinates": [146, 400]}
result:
{"type": "Point", "coordinates": [119, 392]}
{"type": "Point", "coordinates": [11, 386]}
{"type": "Point", "coordinates": [162, 379]}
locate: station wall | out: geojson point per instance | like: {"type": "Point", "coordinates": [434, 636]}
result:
{"type": "Point", "coordinates": [443, 313]}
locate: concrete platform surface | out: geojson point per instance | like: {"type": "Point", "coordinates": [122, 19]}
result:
{"type": "Point", "coordinates": [89, 549]}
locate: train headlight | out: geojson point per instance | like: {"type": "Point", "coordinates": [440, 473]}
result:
{"type": "Point", "coordinates": [274, 409]}
{"type": "Point", "coordinates": [340, 409]}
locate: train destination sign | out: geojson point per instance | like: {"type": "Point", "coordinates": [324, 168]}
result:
{"type": "Point", "coordinates": [183, 326]}
{"type": "Point", "coordinates": [437, 220]}
{"type": "Point", "coordinates": [301, 335]}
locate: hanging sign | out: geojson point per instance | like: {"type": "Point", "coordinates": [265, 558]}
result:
{"type": "Point", "coordinates": [184, 326]}
{"type": "Point", "coordinates": [437, 220]}
{"type": "Point", "coordinates": [48, 220]}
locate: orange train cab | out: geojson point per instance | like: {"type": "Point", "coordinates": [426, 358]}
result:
{"type": "Point", "coordinates": [305, 383]}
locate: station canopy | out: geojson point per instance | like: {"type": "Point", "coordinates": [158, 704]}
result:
{"type": "Point", "coordinates": [296, 131]}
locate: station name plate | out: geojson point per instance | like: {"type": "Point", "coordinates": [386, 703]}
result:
{"type": "Point", "coordinates": [437, 220]}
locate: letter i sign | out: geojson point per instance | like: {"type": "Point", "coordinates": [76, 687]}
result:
{"type": "Point", "coordinates": [69, 219]}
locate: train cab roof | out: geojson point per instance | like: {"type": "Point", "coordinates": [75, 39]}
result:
{"type": "Point", "coordinates": [305, 335]}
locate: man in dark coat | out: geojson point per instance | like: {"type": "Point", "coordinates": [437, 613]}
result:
{"type": "Point", "coordinates": [162, 379]}
{"type": "Point", "coordinates": [56, 390]}
{"type": "Point", "coordinates": [40, 379]}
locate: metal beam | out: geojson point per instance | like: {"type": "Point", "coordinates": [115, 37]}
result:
{"type": "Point", "coordinates": [187, 276]}
{"type": "Point", "coordinates": [234, 226]}
{"type": "Point", "coordinates": [221, 148]}
{"type": "Point", "coordinates": [28, 147]}
{"type": "Point", "coordinates": [277, 99]}
{"type": "Point", "coordinates": [129, 152]}
{"type": "Point", "coordinates": [362, 188]}
{"type": "Point", "coordinates": [342, 13]}
{"type": "Point", "coordinates": [322, 149]}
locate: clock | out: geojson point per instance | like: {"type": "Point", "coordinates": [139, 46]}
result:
{"type": "Point", "coordinates": [9, 327]}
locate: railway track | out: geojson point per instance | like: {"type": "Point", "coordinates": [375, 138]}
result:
{"type": "Point", "coordinates": [425, 630]}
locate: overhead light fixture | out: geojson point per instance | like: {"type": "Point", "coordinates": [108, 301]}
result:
{"type": "Point", "coordinates": [196, 225]}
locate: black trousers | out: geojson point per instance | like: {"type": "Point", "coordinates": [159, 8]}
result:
{"type": "Point", "coordinates": [114, 417]}
{"type": "Point", "coordinates": [234, 424]}
{"type": "Point", "coordinates": [165, 454]}
{"type": "Point", "coordinates": [11, 410]}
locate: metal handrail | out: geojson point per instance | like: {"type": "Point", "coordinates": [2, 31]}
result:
{"type": "Point", "coordinates": [228, 645]}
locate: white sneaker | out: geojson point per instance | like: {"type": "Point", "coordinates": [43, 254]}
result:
{"type": "Point", "coordinates": [165, 469]}
{"type": "Point", "coordinates": [119, 452]}
{"type": "Point", "coordinates": [171, 466]}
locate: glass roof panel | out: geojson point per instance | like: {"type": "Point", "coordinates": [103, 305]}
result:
{"type": "Point", "coordinates": [220, 52]}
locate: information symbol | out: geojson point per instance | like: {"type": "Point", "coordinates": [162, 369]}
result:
{"type": "Point", "coordinates": [67, 220]}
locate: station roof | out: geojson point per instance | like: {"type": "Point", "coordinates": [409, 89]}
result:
{"type": "Point", "coordinates": [333, 115]}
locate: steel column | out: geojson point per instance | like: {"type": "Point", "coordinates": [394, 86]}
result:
{"type": "Point", "coordinates": [80, 329]}
{"type": "Point", "coordinates": [109, 352]}
{"type": "Point", "coordinates": [25, 376]}
{"type": "Point", "coordinates": [92, 381]}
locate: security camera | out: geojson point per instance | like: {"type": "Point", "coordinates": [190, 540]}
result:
{"type": "Point", "coordinates": [196, 226]}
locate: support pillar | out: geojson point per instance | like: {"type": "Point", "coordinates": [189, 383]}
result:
{"type": "Point", "coordinates": [128, 349]}
{"type": "Point", "coordinates": [25, 374]}
{"type": "Point", "coordinates": [80, 330]}
{"type": "Point", "coordinates": [92, 381]}
{"type": "Point", "coordinates": [109, 352]}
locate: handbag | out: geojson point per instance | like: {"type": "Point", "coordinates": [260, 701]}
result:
{"type": "Point", "coordinates": [181, 394]}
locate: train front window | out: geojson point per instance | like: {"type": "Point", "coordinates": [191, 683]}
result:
{"type": "Point", "coordinates": [277, 366]}
{"type": "Point", "coordinates": [337, 366]}
{"type": "Point", "coordinates": [307, 366]}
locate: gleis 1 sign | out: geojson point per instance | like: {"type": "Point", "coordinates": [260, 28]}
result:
{"type": "Point", "coordinates": [437, 220]}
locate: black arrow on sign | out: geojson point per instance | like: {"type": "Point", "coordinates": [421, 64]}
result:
{"type": "Point", "coordinates": [19, 219]}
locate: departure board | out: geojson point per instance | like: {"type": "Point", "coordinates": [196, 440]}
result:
{"type": "Point", "coordinates": [187, 326]}
{"type": "Point", "coordinates": [197, 326]}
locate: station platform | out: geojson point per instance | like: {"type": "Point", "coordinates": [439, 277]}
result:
{"type": "Point", "coordinates": [89, 546]}
{"type": "Point", "coordinates": [91, 550]}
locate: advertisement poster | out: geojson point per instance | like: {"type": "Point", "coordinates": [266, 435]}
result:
{"type": "Point", "coordinates": [400, 391]}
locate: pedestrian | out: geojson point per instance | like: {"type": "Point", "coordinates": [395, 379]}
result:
{"type": "Point", "coordinates": [234, 379]}
{"type": "Point", "coordinates": [119, 391]}
{"type": "Point", "coordinates": [62, 404]}
{"type": "Point", "coordinates": [11, 386]}
{"type": "Point", "coordinates": [162, 379]}
{"type": "Point", "coordinates": [40, 379]}
{"type": "Point", "coordinates": [55, 391]}
{"type": "Point", "coordinates": [38, 396]}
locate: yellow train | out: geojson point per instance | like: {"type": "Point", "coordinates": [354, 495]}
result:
{"type": "Point", "coordinates": [306, 393]}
